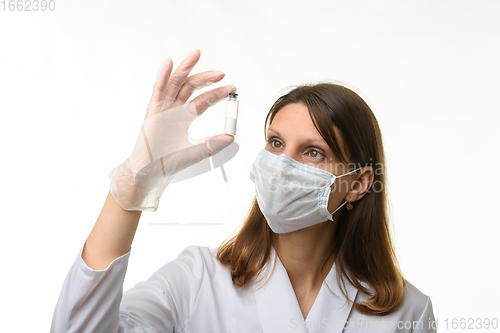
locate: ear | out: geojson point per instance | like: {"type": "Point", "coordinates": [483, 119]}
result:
{"type": "Point", "coordinates": [363, 181]}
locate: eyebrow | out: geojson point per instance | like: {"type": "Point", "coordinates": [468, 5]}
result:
{"type": "Point", "coordinates": [307, 140]}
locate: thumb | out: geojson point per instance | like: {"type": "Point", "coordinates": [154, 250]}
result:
{"type": "Point", "coordinates": [218, 142]}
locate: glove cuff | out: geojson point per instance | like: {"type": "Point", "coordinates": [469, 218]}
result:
{"type": "Point", "coordinates": [131, 196]}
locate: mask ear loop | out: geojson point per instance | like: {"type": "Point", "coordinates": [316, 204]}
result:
{"type": "Point", "coordinates": [349, 206]}
{"type": "Point", "coordinates": [339, 207]}
{"type": "Point", "coordinates": [345, 174]}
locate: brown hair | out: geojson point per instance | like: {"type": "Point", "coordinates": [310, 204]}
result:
{"type": "Point", "coordinates": [363, 246]}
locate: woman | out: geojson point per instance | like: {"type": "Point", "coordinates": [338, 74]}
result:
{"type": "Point", "coordinates": [314, 253]}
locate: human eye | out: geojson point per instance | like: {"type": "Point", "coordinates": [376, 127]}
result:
{"type": "Point", "coordinates": [272, 142]}
{"type": "Point", "coordinates": [316, 153]}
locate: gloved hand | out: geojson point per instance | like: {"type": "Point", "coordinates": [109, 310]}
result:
{"type": "Point", "coordinates": [164, 146]}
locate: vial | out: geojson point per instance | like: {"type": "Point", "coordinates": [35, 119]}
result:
{"type": "Point", "coordinates": [231, 114]}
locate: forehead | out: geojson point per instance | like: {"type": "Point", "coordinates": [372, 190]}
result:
{"type": "Point", "coordinates": [296, 117]}
{"type": "Point", "coordinates": [293, 117]}
{"type": "Point", "coordinates": [293, 121]}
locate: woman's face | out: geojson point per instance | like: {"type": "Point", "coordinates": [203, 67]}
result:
{"type": "Point", "coordinates": [292, 132]}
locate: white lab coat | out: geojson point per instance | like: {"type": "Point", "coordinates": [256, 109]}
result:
{"type": "Point", "coordinates": [194, 293]}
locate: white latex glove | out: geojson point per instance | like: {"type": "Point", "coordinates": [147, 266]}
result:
{"type": "Point", "coordinates": [164, 146]}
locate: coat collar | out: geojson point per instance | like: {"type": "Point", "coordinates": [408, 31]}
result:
{"type": "Point", "coordinates": [279, 309]}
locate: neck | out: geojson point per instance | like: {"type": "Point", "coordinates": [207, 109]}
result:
{"type": "Point", "coordinates": [303, 254]}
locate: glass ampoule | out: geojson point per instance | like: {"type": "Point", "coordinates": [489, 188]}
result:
{"type": "Point", "coordinates": [231, 114]}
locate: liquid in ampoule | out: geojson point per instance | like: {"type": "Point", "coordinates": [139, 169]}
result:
{"type": "Point", "coordinates": [231, 114]}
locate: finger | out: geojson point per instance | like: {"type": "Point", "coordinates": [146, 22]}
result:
{"type": "Point", "coordinates": [192, 155]}
{"type": "Point", "coordinates": [218, 142]}
{"type": "Point", "coordinates": [198, 81]}
{"type": "Point", "coordinates": [161, 81]}
{"type": "Point", "coordinates": [206, 100]}
{"type": "Point", "coordinates": [180, 75]}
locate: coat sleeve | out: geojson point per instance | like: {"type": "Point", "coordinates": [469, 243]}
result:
{"type": "Point", "coordinates": [90, 299]}
{"type": "Point", "coordinates": [164, 302]}
{"type": "Point", "coordinates": [93, 300]}
{"type": "Point", "coordinates": [427, 319]}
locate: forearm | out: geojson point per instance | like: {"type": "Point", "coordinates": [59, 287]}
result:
{"type": "Point", "coordinates": [111, 236]}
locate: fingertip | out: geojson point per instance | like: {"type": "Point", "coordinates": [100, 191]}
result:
{"type": "Point", "coordinates": [169, 64]}
{"type": "Point", "coordinates": [222, 137]}
{"type": "Point", "coordinates": [196, 54]}
{"type": "Point", "coordinates": [217, 72]}
{"type": "Point", "coordinates": [191, 52]}
{"type": "Point", "coordinates": [219, 142]}
{"type": "Point", "coordinates": [192, 56]}
{"type": "Point", "coordinates": [163, 74]}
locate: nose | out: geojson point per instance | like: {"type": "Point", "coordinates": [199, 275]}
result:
{"type": "Point", "coordinates": [296, 155]}
{"type": "Point", "coordinates": [290, 152]}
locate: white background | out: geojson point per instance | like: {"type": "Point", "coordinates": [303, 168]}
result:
{"type": "Point", "coordinates": [75, 83]}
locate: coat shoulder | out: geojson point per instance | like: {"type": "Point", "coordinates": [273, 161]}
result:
{"type": "Point", "coordinates": [202, 257]}
{"type": "Point", "coordinates": [414, 299]}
